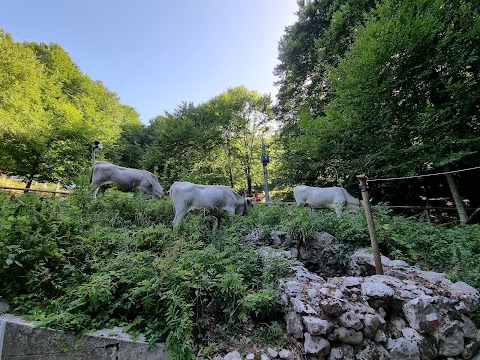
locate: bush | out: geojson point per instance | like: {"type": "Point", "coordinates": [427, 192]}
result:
{"type": "Point", "coordinates": [262, 304]}
{"type": "Point", "coordinates": [82, 264]}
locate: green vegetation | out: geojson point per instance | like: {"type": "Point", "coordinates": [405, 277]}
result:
{"type": "Point", "coordinates": [386, 87]}
{"type": "Point", "coordinates": [50, 113]}
{"type": "Point", "coordinates": [81, 264]}
{"type": "Point", "coordinates": [389, 88]}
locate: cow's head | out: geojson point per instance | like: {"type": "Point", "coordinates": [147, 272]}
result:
{"type": "Point", "coordinates": [157, 191]}
{"type": "Point", "coordinates": [245, 207]}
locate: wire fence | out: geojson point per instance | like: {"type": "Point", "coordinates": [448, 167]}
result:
{"type": "Point", "coordinates": [423, 175]}
{"type": "Point", "coordinates": [35, 190]}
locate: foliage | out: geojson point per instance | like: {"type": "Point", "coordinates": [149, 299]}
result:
{"type": "Point", "coordinates": [81, 264]}
{"type": "Point", "coordinates": [263, 303]}
{"type": "Point", "coordinates": [455, 251]}
{"type": "Point", "coordinates": [217, 142]}
{"type": "Point", "coordinates": [404, 73]}
{"type": "Point", "coordinates": [50, 113]}
{"type": "Point", "coordinates": [275, 333]}
{"type": "Point", "coordinates": [86, 264]}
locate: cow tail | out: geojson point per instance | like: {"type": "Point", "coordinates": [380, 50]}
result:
{"type": "Point", "coordinates": [91, 175]}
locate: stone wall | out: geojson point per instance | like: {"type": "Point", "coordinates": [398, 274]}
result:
{"type": "Point", "coordinates": [406, 313]}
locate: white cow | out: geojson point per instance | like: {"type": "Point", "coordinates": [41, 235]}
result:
{"type": "Point", "coordinates": [215, 198]}
{"type": "Point", "coordinates": [105, 174]}
{"type": "Point", "coordinates": [336, 198]}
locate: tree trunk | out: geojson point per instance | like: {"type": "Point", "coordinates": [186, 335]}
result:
{"type": "Point", "coordinates": [249, 181]}
{"type": "Point", "coordinates": [29, 182]}
{"type": "Point", "coordinates": [457, 199]}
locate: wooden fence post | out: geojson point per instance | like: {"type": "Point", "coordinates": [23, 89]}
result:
{"type": "Point", "coordinates": [371, 226]}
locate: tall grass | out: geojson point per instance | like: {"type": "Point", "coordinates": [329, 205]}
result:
{"type": "Point", "coordinates": [81, 264]}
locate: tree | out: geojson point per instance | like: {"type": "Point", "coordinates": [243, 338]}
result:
{"type": "Point", "coordinates": [243, 117]}
{"type": "Point", "coordinates": [179, 141]}
{"type": "Point", "coordinates": [410, 80]}
{"type": "Point", "coordinates": [319, 39]}
{"type": "Point", "coordinates": [51, 113]}
{"type": "Point", "coordinates": [217, 142]}
{"type": "Point", "coordinates": [132, 146]}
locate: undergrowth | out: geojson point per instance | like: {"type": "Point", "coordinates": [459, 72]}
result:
{"type": "Point", "coordinates": [80, 264]}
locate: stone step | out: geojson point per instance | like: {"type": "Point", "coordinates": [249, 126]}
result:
{"type": "Point", "coordinates": [21, 340]}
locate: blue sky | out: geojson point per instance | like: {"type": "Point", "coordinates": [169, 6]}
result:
{"type": "Point", "coordinates": [154, 54]}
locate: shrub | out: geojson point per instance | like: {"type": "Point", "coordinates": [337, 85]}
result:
{"type": "Point", "coordinates": [82, 264]}
{"type": "Point", "coordinates": [262, 304]}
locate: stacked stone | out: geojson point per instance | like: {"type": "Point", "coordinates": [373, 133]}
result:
{"type": "Point", "coordinates": [405, 314]}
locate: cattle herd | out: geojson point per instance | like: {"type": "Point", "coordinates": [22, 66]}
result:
{"type": "Point", "coordinates": [187, 196]}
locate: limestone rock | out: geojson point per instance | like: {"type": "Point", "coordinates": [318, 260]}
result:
{"type": "Point", "coordinates": [294, 325]}
{"type": "Point", "coordinates": [316, 326]}
{"type": "Point", "coordinates": [316, 345]}
{"type": "Point", "coordinates": [377, 290]}
{"type": "Point", "coordinates": [371, 323]}
{"type": "Point", "coordinates": [403, 349]}
{"type": "Point", "coordinates": [285, 354]}
{"type": "Point", "coordinates": [272, 352]}
{"type": "Point", "coordinates": [350, 320]}
{"type": "Point", "coordinates": [233, 355]}
{"type": "Point", "coordinates": [349, 336]}
{"type": "Point", "coordinates": [342, 352]}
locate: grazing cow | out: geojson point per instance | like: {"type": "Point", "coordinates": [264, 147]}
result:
{"type": "Point", "coordinates": [105, 175]}
{"type": "Point", "coordinates": [215, 198]}
{"type": "Point", "coordinates": [336, 198]}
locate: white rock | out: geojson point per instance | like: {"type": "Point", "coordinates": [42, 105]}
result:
{"type": "Point", "coordinates": [301, 307]}
{"type": "Point", "coordinates": [312, 293]}
{"type": "Point", "coordinates": [380, 336]}
{"type": "Point", "coordinates": [234, 355]}
{"type": "Point", "coordinates": [420, 313]}
{"type": "Point", "coordinates": [285, 354]}
{"type": "Point", "coordinates": [377, 290]}
{"type": "Point", "coordinates": [451, 339]}
{"type": "Point", "coordinates": [272, 352]}
{"type": "Point", "coordinates": [350, 320]}
{"type": "Point", "coordinates": [349, 336]}
{"type": "Point", "coordinates": [294, 325]}
{"type": "Point", "coordinates": [342, 352]}
{"type": "Point", "coordinates": [316, 345]}
{"type": "Point", "coordinates": [402, 349]}
{"type": "Point", "coordinates": [316, 326]}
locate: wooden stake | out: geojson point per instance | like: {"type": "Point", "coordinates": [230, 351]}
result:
{"type": "Point", "coordinates": [371, 226]}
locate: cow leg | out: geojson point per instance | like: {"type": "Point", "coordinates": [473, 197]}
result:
{"type": "Point", "coordinates": [94, 192]}
{"type": "Point", "coordinates": [338, 206]}
{"type": "Point", "coordinates": [100, 192]}
{"type": "Point", "coordinates": [300, 203]}
{"type": "Point", "coordinates": [215, 225]}
{"type": "Point", "coordinates": [179, 214]}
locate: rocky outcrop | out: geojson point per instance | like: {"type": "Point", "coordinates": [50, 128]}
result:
{"type": "Point", "coordinates": [406, 313]}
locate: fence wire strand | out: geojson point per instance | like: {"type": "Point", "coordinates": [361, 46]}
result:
{"type": "Point", "coordinates": [420, 176]}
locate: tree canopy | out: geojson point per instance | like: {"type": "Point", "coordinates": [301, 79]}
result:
{"type": "Point", "coordinates": [50, 112]}
{"type": "Point", "coordinates": [399, 92]}
{"type": "Point", "coordinates": [217, 142]}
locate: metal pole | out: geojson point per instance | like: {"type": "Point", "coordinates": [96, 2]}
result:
{"type": "Point", "coordinates": [371, 226]}
{"type": "Point", "coordinates": [265, 161]}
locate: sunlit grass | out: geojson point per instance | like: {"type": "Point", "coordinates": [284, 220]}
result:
{"type": "Point", "coordinates": [8, 182]}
